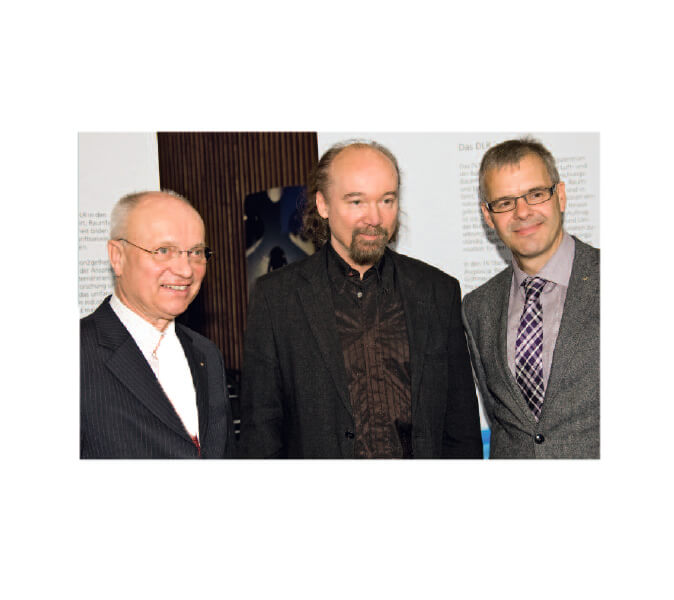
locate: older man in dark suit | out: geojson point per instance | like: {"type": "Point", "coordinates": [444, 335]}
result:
{"type": "Point", "coordinates": [357, 351]}
{"type": "Point", "coordinates": [151, 388]}
{"type": "Point", "coordinates": [533, 329]}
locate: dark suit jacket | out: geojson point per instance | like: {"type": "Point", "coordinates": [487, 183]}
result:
{"type": "Point", "coordinates": [569, 422]}
{"type": "Point", "coordinates": [124, 412]}
{"type": "Point", "coordinates": [294, 398]}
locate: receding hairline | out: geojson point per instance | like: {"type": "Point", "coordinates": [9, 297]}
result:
{"type": "Point", "coordinates": [127, 205]}
{"type": "Point", "coordinates": [363, 146]}
{"type": "Point", "coordinates": [148, 196]}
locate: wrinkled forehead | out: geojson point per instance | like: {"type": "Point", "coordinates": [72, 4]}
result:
{"type": "Point", "coordinates": [162, 214]}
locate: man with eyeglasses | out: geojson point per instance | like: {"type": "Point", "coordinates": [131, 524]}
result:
{"type": "Point", "coordinates": [149, 387]}
{"type": "Point", "coordinates": [533, 329]}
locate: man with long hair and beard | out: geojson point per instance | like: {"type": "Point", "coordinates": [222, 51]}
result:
{"type": "Point", "coordinates": [357, 351]}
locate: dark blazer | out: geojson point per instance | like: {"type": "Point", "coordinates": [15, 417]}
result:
{"type": "Point", "coordinates": [569, 422]}
{"type": "Point", "coordinates": [124, 412]}
{"type": "Point", "coordinates": [294, 397]}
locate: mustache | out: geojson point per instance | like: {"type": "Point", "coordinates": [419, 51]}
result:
{"type": "Point", "coordinates": [377, 230]}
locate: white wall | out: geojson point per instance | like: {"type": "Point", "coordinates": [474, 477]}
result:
{"type": "Point", "coordinates": [110, 166]}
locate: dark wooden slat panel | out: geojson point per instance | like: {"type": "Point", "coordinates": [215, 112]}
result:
{"type": "Point", "coordinates": [216, 171]}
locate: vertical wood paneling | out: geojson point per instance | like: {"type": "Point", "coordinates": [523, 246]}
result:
{"type": "Point", "coordinates": [216, 171]}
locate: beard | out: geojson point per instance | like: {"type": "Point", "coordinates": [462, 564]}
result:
{"type": "Point", "coordinates": [368, 252]}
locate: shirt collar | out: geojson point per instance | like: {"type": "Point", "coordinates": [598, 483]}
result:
{"type": "Point", "coordinates": [143, 333]}
{"type": "Point", "coordinates": [341, 273]}
{"type": "Point", "coordinates": [557, 269]}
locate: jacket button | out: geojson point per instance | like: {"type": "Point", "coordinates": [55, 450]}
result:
{"type": "Point", "coordinates": [539, 438]}
{"type": "Point", "coordinates": [349, 434]}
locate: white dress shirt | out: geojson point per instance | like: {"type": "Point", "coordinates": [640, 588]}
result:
{"type": "Point", "coordinates": [164, 353]}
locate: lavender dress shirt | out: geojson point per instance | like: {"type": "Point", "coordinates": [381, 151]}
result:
{"type": "Point", "coordinates": [557, 271]}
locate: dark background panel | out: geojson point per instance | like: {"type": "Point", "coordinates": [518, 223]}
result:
{"type": "Point", "coordinates": [216, 171]}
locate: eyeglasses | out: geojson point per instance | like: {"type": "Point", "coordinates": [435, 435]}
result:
{"type": "Point", "coordinates": [532, 197]}
{"type": "Point", "coordinates": [197, 255]}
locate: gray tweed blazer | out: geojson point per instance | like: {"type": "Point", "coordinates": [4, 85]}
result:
{"type": "Point", "coordinates": [569, 423]}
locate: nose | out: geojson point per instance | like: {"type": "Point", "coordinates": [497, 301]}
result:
{"type": "Point", "coordinates": [181, 265]}
{"type": "Point", "coordinates": [522, 209]}
{"type": "Point", "coordinates": [373, 215]}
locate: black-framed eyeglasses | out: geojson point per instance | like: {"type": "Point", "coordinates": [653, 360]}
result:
{"type": "Point", "coordinates": [532, 197]}
{"type": "Point", "coordinates": [198, 254]}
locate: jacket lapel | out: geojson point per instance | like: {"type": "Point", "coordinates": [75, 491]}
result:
{"type": "Point", "coordinates": [197, 362]}
{"type": "Point", "coordinates": [315, 297]}
{"type": "Point", "coordinates": [415, 296]}
{"type": "Point", "coordinates": [128, 364]}
{"type": "Point", "coordinates": [582, 292]}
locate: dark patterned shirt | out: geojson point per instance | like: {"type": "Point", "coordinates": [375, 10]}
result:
{"type": "Point", "coordinates": [373, 333]}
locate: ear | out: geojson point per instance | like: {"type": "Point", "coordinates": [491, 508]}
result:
{"type": "Point", "coordinates": [486, 214]}
{"type": "Point", "coordinates": [322, 205]}
{"type": "Point", "coordinates": [116, 256]}
{"type": "Point", "coordinates": [561, 194]}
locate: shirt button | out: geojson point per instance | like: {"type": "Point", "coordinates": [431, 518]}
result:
{"type": "Point", "coordinates": [349, 434]}
{"type": "Point", "coordinates": [359, 294]}
{"type": "Point", "coordinates": [539, 438]}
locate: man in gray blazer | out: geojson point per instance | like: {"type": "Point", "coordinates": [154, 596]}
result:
{"type": "Point", "coordinates": [150, 387]}
{"type": "Point", "coordinates": [533, 329]}
{"type": "Point", "coordinates": [357, 351]}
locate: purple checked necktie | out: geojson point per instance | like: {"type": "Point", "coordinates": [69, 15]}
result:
{"type": "Point", "coordinates": [529, 346]}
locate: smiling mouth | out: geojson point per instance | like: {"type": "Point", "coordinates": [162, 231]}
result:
{"type": "Point", "coordinates": [528, 229]}
{"type": "Point", "coordinates": [178, 288]}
